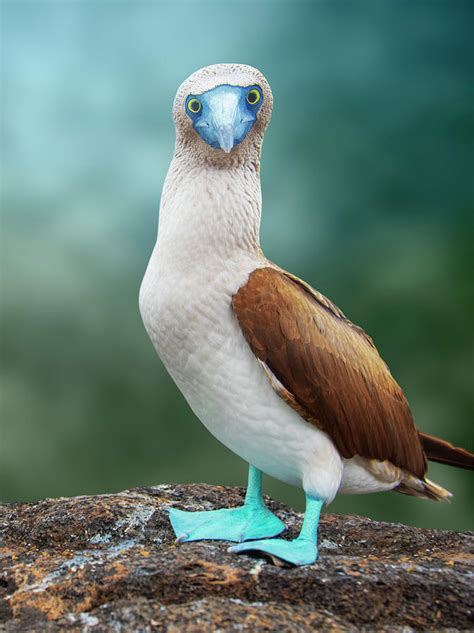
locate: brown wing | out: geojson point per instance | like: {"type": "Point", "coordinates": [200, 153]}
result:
{"type": "Point", "coordinates": [330, 367]}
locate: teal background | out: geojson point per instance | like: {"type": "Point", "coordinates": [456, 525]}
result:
{"type": "Point", "coordinates": [367, 183]}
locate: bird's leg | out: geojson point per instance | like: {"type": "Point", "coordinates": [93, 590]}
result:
{"type": "Point", "coordinates": [253, 520]}
{"type": "Point", "coordinates": [302, 550]}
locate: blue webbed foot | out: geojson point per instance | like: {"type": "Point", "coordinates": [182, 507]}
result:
{"type": "Point", "coordinates": [229, 524]}
{"type": "Point", "coordinates": [297, 552]}
{"type": "Point", "coordinates": [302, 550]}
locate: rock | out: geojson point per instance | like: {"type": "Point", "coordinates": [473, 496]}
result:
{"type": "Point", "coordinates": [110, 562]}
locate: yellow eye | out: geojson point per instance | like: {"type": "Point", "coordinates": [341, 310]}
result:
{"type": "Point", "coordinates": [253, 96]}
{"type": "Point", "coordinates": [194, 106]}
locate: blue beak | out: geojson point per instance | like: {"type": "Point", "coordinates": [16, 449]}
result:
{"type": "Point", "coordinates": [224, 118]}
{"type": "Point", "coordinates": [226, 136]}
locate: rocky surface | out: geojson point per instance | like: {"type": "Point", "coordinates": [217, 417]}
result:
{"type": "Point", "coordinates": [110, 563]}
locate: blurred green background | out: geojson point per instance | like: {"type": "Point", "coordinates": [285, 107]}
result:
{"type": "Point", "coordinates": [367, 183]}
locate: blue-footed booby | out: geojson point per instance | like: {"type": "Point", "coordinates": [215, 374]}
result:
{"type": "Point", "coordinates": [271, 367]}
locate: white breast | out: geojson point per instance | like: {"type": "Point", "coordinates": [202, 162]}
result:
{"type": "Point", "coordinates": [191, 324]}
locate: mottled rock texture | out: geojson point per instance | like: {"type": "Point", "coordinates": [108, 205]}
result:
{"type": "Point", "coordinates": [110, 563]}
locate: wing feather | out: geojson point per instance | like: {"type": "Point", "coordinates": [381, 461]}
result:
{"type": "Point", "coordinates": [329, 368]}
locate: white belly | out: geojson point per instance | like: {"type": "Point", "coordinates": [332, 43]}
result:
{"type": "Point", "coordinates": [190, 321]}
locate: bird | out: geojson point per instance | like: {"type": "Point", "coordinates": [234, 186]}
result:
{"type": "Point", "coordinates": [270, 366]}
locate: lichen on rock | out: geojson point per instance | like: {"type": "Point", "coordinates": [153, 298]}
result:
{"type": "Point", "coordinates": [110, 562]}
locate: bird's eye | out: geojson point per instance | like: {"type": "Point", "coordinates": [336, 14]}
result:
{"type": "Point", "coordinates": [253, 96]}
{"type": "Point", "coordinates": [194, 106]}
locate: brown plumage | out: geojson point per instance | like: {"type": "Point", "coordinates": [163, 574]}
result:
{"type": "Point", "coordinates": [438, 450]}
{"type": "Point", "coordinates": [332, 374]}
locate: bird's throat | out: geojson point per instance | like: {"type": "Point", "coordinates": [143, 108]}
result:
{"type": "Point", "coordinates": [208, 212]}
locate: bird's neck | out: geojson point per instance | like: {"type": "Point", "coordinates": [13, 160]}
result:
{"type": "Point", "coordinates": [209, 211]}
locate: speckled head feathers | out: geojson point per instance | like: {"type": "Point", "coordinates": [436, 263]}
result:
{"type": "Point", "coordinates": [206, 79]}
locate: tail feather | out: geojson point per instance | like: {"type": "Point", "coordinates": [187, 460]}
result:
{"type": "Point", "coordinates": [423, 488]}
{"type": "Point", "coordinates": [438, 450]}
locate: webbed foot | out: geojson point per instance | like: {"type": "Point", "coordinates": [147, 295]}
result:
{"type": "Point", "coordinates": [297, 552]}
{"type": "Point", "coordinates": [229, 524]}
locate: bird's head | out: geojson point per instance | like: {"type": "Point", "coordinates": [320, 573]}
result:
{"type": "Point", "coordinates": [223, 110]}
